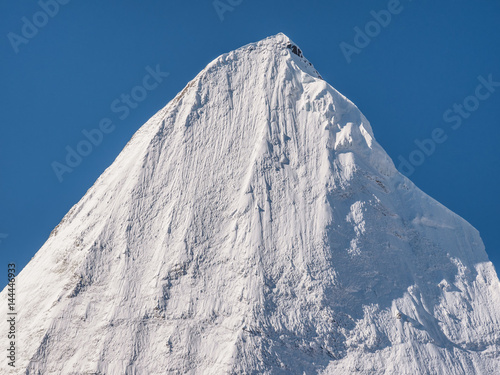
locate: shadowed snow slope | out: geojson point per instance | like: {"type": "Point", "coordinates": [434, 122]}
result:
{"type": "Point", "coordinates": [255, 226]}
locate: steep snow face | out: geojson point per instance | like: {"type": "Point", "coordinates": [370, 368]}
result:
{"type": "Point", "coordinates": [254, 225]}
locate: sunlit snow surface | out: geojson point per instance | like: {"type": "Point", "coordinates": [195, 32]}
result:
{"type": "Point", "coordinates": [255, 226]}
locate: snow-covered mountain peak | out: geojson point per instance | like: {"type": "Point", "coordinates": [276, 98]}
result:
{"type": "Point", "coordinates": [254, 225]}
{"type": "Point", "coordinates": [277, 46]}
{"type": "Point", "coordinates": [276, 66]}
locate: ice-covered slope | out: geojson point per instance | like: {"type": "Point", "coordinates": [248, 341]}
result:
{"type": "Point", "coordinates": [255, 226]}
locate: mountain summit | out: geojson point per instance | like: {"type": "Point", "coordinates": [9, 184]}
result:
{"type": "Point", "coordinates": [255, 226]}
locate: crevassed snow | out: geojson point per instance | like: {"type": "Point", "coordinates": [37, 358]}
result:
{"type": "Point", "coordinates": [254, 225]}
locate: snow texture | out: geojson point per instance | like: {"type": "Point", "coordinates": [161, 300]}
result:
{"type": "Point", "coordinates": [255, 226]}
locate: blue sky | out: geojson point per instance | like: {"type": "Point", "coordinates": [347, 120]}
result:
{"type": "Point", "coordinates": [423, 72]}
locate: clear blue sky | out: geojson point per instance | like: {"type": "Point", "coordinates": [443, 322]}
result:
{"type": "Point", "coordinates": [409, 73]}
